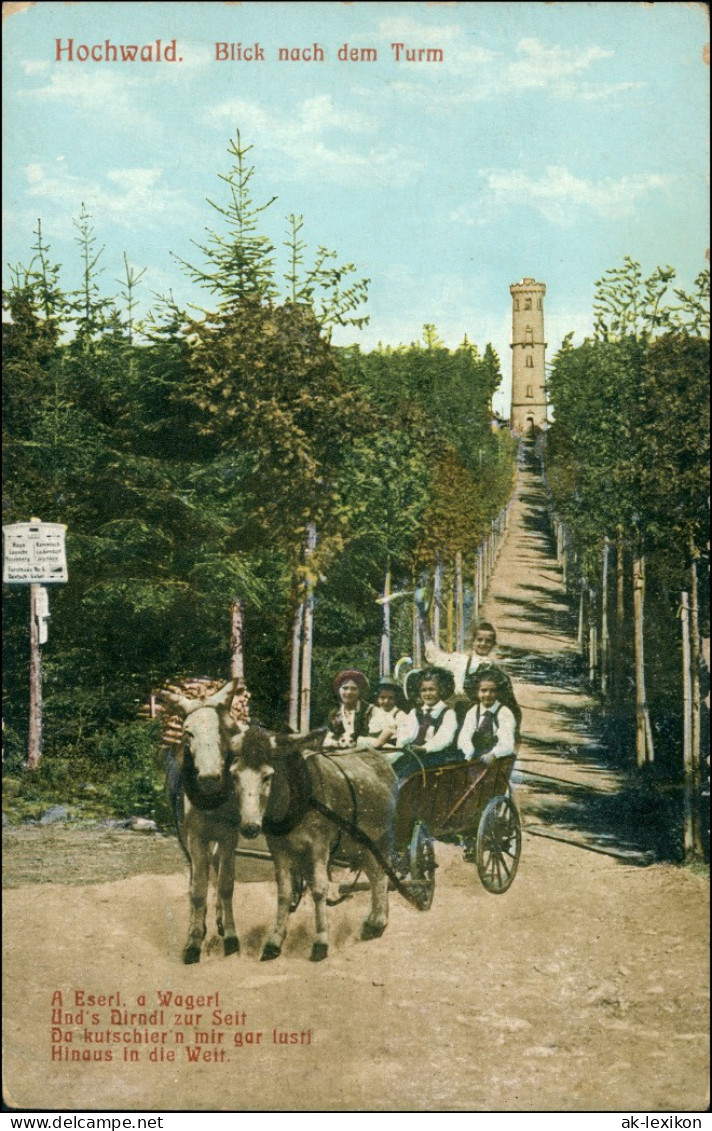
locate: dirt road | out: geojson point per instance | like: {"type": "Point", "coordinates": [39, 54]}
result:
{"type": "Point", "coordinates": [585, 987]}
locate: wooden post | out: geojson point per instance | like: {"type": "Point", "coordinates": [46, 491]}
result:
{"type": "Point", "coordinates": [34, 736]}
{"type": "Point", "coordinates": [237, 655]}
{"type": "Point", "coordinates": [690, 799]}
{"type": "Point", "coordinates": [476, 591]}
{"type": "Point", "coordinates": [294, 669]}
{"type": "Point", "coordinates": [605, 642]}
{"type": "Point", "coordinates": [644, 751]}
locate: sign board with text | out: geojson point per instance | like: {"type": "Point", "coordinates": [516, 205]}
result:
{"type": "Point", "coordinates": [33, 553]}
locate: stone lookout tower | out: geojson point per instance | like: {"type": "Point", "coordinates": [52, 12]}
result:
{"type": "Point", "coordinates": [528, 346]}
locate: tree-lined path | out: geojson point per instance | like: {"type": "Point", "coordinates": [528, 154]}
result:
{"type": "Point", "coordinates": [577, 791]}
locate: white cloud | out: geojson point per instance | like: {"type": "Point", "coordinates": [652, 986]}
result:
{"type": "Point", "coordinates": [131, 198]}
{"type": "Point", "coordinates": [301, 138]}
{"type": "Point", "coordinates": [544, 66]}
{"type": "Point", "coordinates": [106, 93]}
{"type": "Point", "coordinates": [557, 71]}
{"type": "Point", "coordinates": [559, 196]}
{"type": "Point", "coordinates": [34, 66]}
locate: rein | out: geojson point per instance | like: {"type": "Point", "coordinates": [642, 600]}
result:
{"type": "Point", "coordinates": [302, 799]}
{"type": "Point", "coordinates": [362, 838]}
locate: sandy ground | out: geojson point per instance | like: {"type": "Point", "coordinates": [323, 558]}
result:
{"type": "Point", "coordinates": [584, 987]}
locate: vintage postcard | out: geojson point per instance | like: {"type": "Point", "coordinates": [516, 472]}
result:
{"type": "Point", "coordinates": [356, 424]}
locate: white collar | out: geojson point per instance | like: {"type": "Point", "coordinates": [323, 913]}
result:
{"type": "Point", "coordinates": [491, 710]}
{"type": "Point", "coordinates": [436, 710]}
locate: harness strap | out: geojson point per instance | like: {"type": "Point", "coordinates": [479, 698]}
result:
{"type": "Point", "coordinates": [362, 838]}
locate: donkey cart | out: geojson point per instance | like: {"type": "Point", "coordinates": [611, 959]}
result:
{"type": "Point", "coordinates": [466, 803]}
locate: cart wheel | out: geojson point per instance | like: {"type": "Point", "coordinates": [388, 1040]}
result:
{"type": "Point", "coordinates": [422, 867]}
{"type": "Point", "coordinates": [499, 844]}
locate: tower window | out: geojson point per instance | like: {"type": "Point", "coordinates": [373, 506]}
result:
{"type": "Point", "coordinates": [516, 304]}
{"type": "Point", "coordinates": [529, 335]}
{"type": "Point", "coordinates": [530, 390]}
{"type": "Point", "coordinates": [529, 362]}
{"type": "Point", "coordinates": [538, 303]}
{"type": "Point", "coordinates": [527, 304]}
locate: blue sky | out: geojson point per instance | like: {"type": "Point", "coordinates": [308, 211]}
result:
{"type": "Point", "coordinates": [552, 140]}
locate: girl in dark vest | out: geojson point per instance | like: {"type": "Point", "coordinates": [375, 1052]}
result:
{"type": "Point", "coordinates": [490, 728]}
{"type": "Point", "coordinates": [431, 728]}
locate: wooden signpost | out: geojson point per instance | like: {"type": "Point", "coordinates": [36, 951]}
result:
{"type": "Point", "coordinates": [34, 554]}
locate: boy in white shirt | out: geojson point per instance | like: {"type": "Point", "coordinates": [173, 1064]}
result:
{"type": "Point", "coordinates": [464, 664]}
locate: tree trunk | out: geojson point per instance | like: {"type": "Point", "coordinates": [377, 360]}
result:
{"type": "Point", "coordinates": [308, 633]}
{"type": "Point", "coordinates": [237, 655]}
{"type": "Point", "coordinates": [689, 791]}
{"type": "Point", "coordinates": [605, 641]}
{"type": "Point", "coordinates": [619, 665]}
{"type": "Point", "coordinates": [695, 658]}
{"type": "Point", "coordinates": [385, 657]}
{"type": "Point", "coordinates": [592, 640]}
{"type": "Point", "coordinates": [581, 633]}
{"type": "Point", "coordinates": [481, 573]}
{"type": "Point", "coordinates": [644, 751]}
{"type": "Point", "coordinates": [305, 699]}
{"type": "Point", "coordinates": [417, 643]}
{"type": "Point", "coordinates": [294, 669]}
{"type": "Point", "coordinates": [437, 597]}
{"type": "Point", "coordinates": [451, 619]}
{"type": "Point", "coordinates": [34, 736]}
{"type": "Point", "coordinates": [459, 605]}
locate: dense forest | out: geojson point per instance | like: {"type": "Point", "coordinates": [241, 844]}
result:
{"type": "Point", "coordinates": [226, 455]}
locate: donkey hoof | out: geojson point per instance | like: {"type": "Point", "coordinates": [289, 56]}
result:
{"type": "Point", "coordinates": [191, 954]}
{"type": "Point", "coordinates": [319, 952]}
{"type": "Point", "coordinates": [270, 951]}
{"type": "Point", "coordinates": [372, 930]}
{"type": "Point", "coordinates": [231, 946]}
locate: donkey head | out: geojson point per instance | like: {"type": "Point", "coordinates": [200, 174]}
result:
{"type": "Point", "coordinates": [206, 750]}
{"type": "Point", "coordinates": [253, 772]}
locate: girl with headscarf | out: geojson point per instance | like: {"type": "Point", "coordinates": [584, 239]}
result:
{"type": "Point", "coordinates": [350, 722]}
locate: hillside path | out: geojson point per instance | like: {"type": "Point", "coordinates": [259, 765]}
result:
{"type": "Point", "coordinates": [578, 792]}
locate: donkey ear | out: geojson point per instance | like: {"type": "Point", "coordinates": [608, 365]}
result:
{"type": "Point", "coordinates": [223, 697]}
{"type": "Point", "coordinates": [235, 743]}
{"type": "Point", "coordinates": [177, 704]}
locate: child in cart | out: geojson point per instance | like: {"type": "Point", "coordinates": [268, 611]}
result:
{"type": "Point", "coordinates": [431, 728]}
{"type": "Point", "coordinates": [387, 719]}
{"type": "Point", "coordinates": [491, 726]}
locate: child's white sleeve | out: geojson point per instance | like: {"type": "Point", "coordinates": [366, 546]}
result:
{"type": "Point", "coordinates": [464, 742]}
{"type": "Point", "coordinates": [506, 727]}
